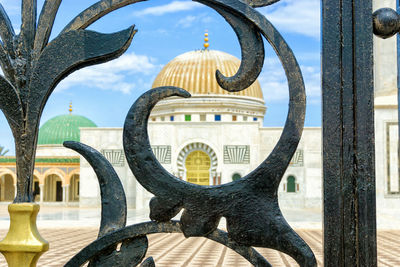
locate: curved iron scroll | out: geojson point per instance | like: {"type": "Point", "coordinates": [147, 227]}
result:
{"type": "Point", "coordinates": [32, 68]}
{"type": "Point", "coordinates": [141, 229]}
{"type": "Point", "coordinates": [250, 205]}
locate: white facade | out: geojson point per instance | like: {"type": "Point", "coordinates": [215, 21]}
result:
{"type": "Point", "coordinates": [178, 139]}
{"type": "Point", "coordinates": [228, 129]}
{"type": "Point", "coordinates": [236, 142]}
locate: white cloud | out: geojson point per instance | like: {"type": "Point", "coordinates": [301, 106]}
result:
{"type": "Point", "coordinates": [187, 21]}
{"type": "Point", "coordinates": [274, 82]}
{"type": "Point", "coordinates": [172, 7]}
{"type": "Point", "coordinates": [191, 20]}
{"type": "Point", "coordinates": [296, 16]}
{"type": "Point", "coordinates": [114, 75]}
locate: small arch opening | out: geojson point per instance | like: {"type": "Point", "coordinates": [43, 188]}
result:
{"type": "Point", "coordinates": [291, 184]}
{"type": "Point", "coordinates": [74, 188]}
{"type": "Point", "coordinates": [53, 191]}
{"type": "Point", "coordinates": [7, 189]}
{"type": "Point", "coordinates": [36, 189]}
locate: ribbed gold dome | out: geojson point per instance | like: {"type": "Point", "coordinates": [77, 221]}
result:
{"type": "Point", "coordinates": [195, 72]}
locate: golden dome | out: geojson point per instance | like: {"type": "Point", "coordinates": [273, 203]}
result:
{"type": "Point", "coordinates": [195, 72]}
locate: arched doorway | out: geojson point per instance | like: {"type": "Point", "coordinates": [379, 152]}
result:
{"type": "Point", "coordinates": [291, 184]}
{"type": "Point", "coordinates": [53, 188]}
{"type": "Point", "coordinates": [197, 166]}
{"type": "Point", "coordinates": [36, 189]}
{"type": "Point", "coordinates": [74, 188]}
{"type": "Point", "coordinates": [7, 189]}
{"type": "Point", "coordinates": [208, 154]}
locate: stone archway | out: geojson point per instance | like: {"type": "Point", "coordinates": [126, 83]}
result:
{"type": "Point", "coordinates": [74, 188]}
{"type": "Point", "coordinates": [36, 189]}
{"type": "Point", "coordinates": [7, 188]}
{"type": "Point", "coordinates": [53, 188]}
{"type": "Point", "coordinates": [202, 161]}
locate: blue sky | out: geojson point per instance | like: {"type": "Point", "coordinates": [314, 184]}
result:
{"type": "Point", "coordinates": [166, 29]}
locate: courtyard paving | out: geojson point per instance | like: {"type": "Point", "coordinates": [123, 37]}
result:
{"type": "Point", "coordinates": [70, 229]}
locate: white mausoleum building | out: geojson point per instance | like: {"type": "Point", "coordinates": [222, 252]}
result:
{"type": "Point", "coordinates": [211, 138]}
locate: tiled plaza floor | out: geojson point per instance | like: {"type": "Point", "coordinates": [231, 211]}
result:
{"type": "Point", "coordinates": [175, 250]}
{"type": "Point", "coordinates": [69, 229]}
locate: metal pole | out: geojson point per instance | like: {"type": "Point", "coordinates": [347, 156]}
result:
{"type": "Point", "coordinates": [348, 133]}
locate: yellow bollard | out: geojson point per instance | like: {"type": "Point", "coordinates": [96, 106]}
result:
{"type": "Point", "coordinates": [23, 244]}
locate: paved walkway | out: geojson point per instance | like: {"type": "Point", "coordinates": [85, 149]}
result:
{"type": "Point", "coordinates": [70, 229]}
{"type": "Point", "coordinates": [175, 250]}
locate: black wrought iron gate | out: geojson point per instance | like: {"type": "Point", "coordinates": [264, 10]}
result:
{"type": "Point", "coordinates": [348, 134]}
{"type": "Point", "coordinates": [33, 66]}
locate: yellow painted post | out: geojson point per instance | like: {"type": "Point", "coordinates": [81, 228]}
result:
{"type": "Point", "coordinates": [23, 244]}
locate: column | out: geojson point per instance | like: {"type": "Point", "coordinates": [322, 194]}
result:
{"type": "Point", "coordinates": [15, 190]}
{"type": "Point", "coordinates": [65, 193]}
{"type": "Point", "coordinates": [41, 186]}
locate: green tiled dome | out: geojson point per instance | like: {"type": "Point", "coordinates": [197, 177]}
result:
{"type": "Point", "coordinates": [63, 128]}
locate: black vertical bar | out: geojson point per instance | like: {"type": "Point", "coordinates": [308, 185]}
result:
{"type": "Point", "coordinates": [332, 150]}
{"type": "Point", "coordinates": [348, 133]}
{"type": "Point", "coordinates": [398, 94]}
{"type": "Point", "coordinates": [365, 134]}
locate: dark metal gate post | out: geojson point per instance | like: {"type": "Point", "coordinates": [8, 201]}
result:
{"type": "Point", "coordinates": [348, 133]}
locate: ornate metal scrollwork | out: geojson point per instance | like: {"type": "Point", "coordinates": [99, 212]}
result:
{"type": "Point", "coordinates": [34, 67]}
{"type": "Point", "coordinates": [250, 205]}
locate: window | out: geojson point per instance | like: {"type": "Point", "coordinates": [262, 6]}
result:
{"type": "Point", "coordinates": [291, 184]}
{"type": "Point", "coordinates": [236, 176]}
{"type": "Point", "coordinates": [171, 118]}
{"type": "Point", "coordinates": [188, 117]}
{"type": "Point", "coordinates": [244, 118]}
{"type": "Point", "coordinates": [234, 118]}
{"type": "Point", "coordinates": [217, 117]}
{"type": "Point", "coordinates": [254, 119]}
{"type": "Point", "coordinates": [202, 117]}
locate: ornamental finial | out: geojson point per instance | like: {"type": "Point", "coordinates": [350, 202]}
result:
{"type": "Point", "coordinates": [206, 44]}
